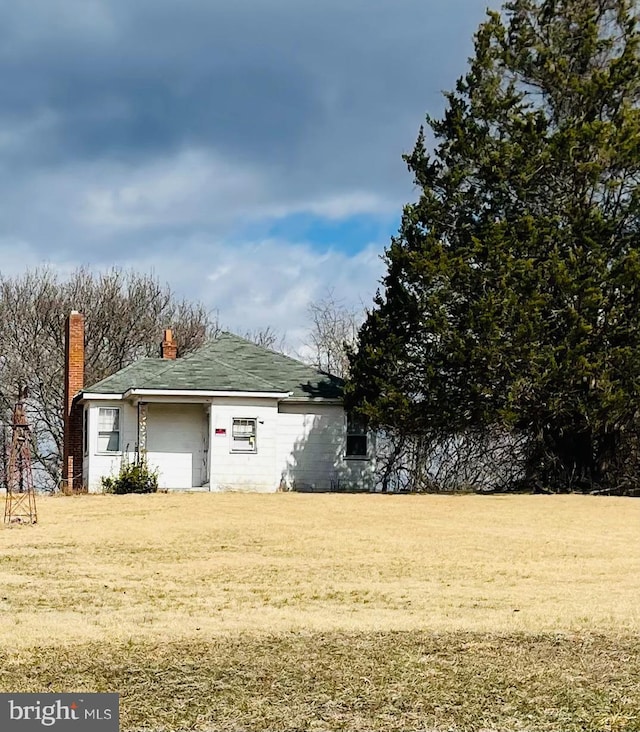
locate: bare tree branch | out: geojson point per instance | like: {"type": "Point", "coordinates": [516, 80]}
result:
{"type": "Point", "coordinates": [334, 327]}
{"type": "Point", "coordinates": [125, 314]}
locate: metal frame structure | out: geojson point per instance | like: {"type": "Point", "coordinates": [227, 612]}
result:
{"type": "Point", "coordinates": [20, 503]}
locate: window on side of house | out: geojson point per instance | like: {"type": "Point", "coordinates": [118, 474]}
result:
{"type": "Point", "coordinates": [243, 434]}
{"type": "Point", "coordinates": [109, 429]}
{"type": "Point", "coordinates": [356, 437]}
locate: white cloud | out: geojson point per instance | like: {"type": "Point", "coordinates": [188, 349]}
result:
{"type": "Point", "coordinates": [193, 187]}
{"type": "Point", "coordinates": [18, 255]}
{"type": "Point", "coordinates": [175, 217]}
{"type": "Point", "coordinates": [267, 283]}
{"type": "Point", "coordinates": [86, 206]}
{"type": "Point", "coordinates": [198, 187]}
{"type": "Point", "coordinates": [272, 282]}
{"type": "Point", "coordinates": [338, 206]}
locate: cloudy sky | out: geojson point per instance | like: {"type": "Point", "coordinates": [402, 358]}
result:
{"type": "Point", "coordinates": [246, 151]}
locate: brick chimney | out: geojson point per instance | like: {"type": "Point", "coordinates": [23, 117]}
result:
{"type": "Point", "coordinates": [73, 412]}
{"type": "Point", "coordinates": [169, 348]}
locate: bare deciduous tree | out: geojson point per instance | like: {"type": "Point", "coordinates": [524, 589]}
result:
{"type": "Point", "coordinates": [267, 338]}
{"type": "Point", "coordinates": [334, 327]}
{"type": "Point", "coordinates": [475, 460]}
{"type": "Point", "coordinates": [125, 314]}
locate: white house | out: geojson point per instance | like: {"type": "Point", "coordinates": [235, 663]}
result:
{"type": "Point", "coordinates": [230, 416]}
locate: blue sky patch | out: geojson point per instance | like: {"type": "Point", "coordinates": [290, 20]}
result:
{"type": "Point", "coordinates": [349, 235]}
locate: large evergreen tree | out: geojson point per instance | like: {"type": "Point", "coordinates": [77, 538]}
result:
{"type": "Point", "coordinates": [512, 297]}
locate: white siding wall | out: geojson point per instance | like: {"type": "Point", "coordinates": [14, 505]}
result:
{"type": "Point", "coordinates": [299, 446]}
{"type": "Point", "coordinates": [177, 444]}
{"type": "Point", "coordinates": [85, 458]}
{"type": "Point", "coordinates": [311, 447]}
{"type": "Point", "coordinates": [95, 464]}
{"type": "Point", "coordinates": [243, 471]}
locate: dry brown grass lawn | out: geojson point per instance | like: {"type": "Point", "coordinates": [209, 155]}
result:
{"type": "Point", "coordinates": [292, 611]}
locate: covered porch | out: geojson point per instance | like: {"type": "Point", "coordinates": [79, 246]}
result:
{"type": "Point", "coordinates": [174, 438]}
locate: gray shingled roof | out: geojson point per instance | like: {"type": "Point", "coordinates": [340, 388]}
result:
{"type": "Point", "coordinates": [228, 363]}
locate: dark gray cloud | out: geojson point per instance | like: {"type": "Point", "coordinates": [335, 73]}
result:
{"type": "Point", "coordinates": [279, 83]}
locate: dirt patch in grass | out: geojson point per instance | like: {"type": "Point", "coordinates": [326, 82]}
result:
{"type": "Point", "coordinates": [365, 681]}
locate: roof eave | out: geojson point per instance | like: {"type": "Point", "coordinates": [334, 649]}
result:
{"type": "Point", "coordinates": [85, 396]}
{"type": "Point", "coordinates": [205, 393]}
{"type": "Point", "coordinates": [316, 400]}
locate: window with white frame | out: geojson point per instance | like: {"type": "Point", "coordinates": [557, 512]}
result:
{"type": "Point", "coordinates": [109, 429]}
{"type": "Point", "coordinates": [85, 431]}
{"type": "Point", "coordinates": [243, 434]}
{"type": "Point", "coordinates": [356, 437]}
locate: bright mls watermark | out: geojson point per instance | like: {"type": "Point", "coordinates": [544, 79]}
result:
{"type": "Point", "coordinates": [59, 712]}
